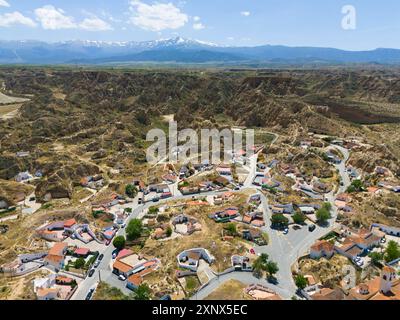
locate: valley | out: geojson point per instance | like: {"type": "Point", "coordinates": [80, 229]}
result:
{"type": "Point", "coordinates": [75, 184]}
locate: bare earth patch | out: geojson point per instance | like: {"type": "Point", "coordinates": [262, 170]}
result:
{"type": "Point", "coordinates": [230, 290]}
{"type": "Point", "coordinates": [9, 100]}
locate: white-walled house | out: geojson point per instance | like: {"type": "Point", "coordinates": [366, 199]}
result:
{"type": "Point", "coordinates": [189, 259]}
{"type": "Point", "coordinates": [321, 249]}
{"type": "Point", "coordinates": [389, 230]}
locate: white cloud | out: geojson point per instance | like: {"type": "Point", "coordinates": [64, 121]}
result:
{"type": "Point", "coordinates": [245, 13]}
{"type": "Point", "coordinates": [52, 18]}
{"type": "Point", "coordinates": [198, 26]}
{"type": "Point", "coordinates": [95, 24]}
{"type": "Point", "coordinates": [4, 3]}
{"type": "Point", "coordinates": [196, 18]}
{"type": "Point", "coordinates": [15, 18]}
{"type": "Point", "coordinates": [157, 16]}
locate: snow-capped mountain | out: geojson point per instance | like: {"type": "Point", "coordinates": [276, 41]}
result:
{"type": "Point", "coordinates": [179, 50]}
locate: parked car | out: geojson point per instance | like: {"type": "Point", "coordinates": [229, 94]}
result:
{"type": "Point", "coordinates": [123, 226]}
{"type": "Point", "coordinates": [101, 257]}
{"type": "Point", "coordinates": [121, 277]}
{"type": "Point", "coordinates": [156, 199]}
{"type": "Point", "coordinates": [311, 227]}
{"type": "Point", "coordinates": [89, 294]}
{"type": "Point", "coordinates": [383, 240]}
{"type": "Point", "coordinates": [296, 227]}
{"type": "Point", "coordinates": [96, 264]}
{"type": "Point", "coordinates": [286, 231]}
{"type": "Point", "coordinates": [115, 253]}
{"type": "Point", "coordinates": [91, 272]}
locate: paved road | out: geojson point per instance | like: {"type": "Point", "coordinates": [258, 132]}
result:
{"type": "Point", "coordinates": [105, 266]}
{"type": "Point", "coordinates": [285, 250]}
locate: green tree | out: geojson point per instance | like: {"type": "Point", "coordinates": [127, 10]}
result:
{"type": "Point", "coordinates": [323, 215]}
{"type": "Point", "coordinates": [299, 218]}
{"type": "Point", "coordinates": [271, 268]}
{"type": "Point", "coordinates": [264, 258]}
{"type": "Point", "coordinates": [119, 242]}
{"type": "Point", "coordinates": [131, 190]}
{"type": "Point", "coordinates": [392, 251]}
{"type": "Point", "coordinates": [301, 282]}
{"type": "Point", "coordinates": [327, 206]}
{"type": "Point", "coordinates": [153, 210]}
{"type": "Point", "coordinates": [280, 220]}
{"type": "Point", "coordinates": [79, 263]}
{"type": "Point", "coordinates": [376, 258]}
{"type": "Point", "coordinates": [143, 292]}
{"type": "Point", "coordinates": [356, 186]}
{"type": "Point", "coordinates": [231, 228]}
{"type": "Point", "coordinates": [260, 265]}
{"type": "Point", "coordinates": [258, 268]}
{"type": "Point", "coordinates": [169, 231]}
{"type": "Point", "coordinates": [134, 229]}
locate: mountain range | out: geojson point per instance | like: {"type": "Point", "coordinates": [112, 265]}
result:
{"type": "Point", "coordinates": [180, 50]}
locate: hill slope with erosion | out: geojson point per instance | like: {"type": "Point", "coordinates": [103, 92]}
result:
{"type": "Point", "coordinates": [85, 122]}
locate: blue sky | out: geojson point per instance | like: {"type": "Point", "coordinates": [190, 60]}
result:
{"type": "Point", "coordinates": [227, 22]}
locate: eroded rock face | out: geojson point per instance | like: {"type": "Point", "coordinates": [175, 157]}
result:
{"type": "Point", "coordinates": [13, 192]}
{"type": "Point", "coordinates": [100, 154]}
{"type": "Point", "coordinates": [369, 158]}
{"type": "Point", "coordinates": [10, 166]}
{"type": "Point", "coordinates": [60, 183]}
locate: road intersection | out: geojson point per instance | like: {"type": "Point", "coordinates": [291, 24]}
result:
{"type": "Point", "coordinates": [283, 249]}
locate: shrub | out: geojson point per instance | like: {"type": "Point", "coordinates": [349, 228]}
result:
{"type": "Point", "coordinates": [119, 242]}
{"type": "Point", "coordinates": [392, 251]}
{"type": "Point", "coordinates": [299, 218]}
{"type": "Point", "coordinates": [131, 191]}
{"type": "Point", "coordinates": [134, 229]}
{"type": "Point", "coordinates": [301, 282]}
{"type": "Point", "coordinates": [323, 215]}
{"type": "Point", "coordinates": [280, 220]}
{"type": "Point", "coordinates": [79, 263]}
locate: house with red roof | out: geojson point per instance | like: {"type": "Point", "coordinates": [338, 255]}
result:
{"type": "Point", "coordinates": [81, 252]}
{"type": "Point", "coordinates": [322, 248]}
{"type": "Point", "coordinates": [56, 255]}
{"type": "Point", "coordinates": [69, 223]}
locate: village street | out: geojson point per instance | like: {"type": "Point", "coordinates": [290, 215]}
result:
{"type": "Point", "coordinates": [283, 249]}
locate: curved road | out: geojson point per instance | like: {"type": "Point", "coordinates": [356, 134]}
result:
{"type": "Point", "coordinates": [285, 250]}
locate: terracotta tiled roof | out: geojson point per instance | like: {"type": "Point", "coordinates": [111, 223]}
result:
{"type": "Point", "coordinates": [54, 258]}
{"type": "Point", "coordinates": [124, 253]}
{"type": "Point", "coordinates": [135, 279]}
{"type": "Point", "coordinates": [82, 251]}
{"type": "Point", "coordinates": [122, 267]}
{"type": "Point", "coordinates": [323, 245]}
{"type": "Point", "coordinates": [328, 294]}
{"type": "Point", "coordinates": [69, 223]}
{"type": "Point", "coordinates": [388, 269]}
{"type": "Point", "coordinates": [58, 249]}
